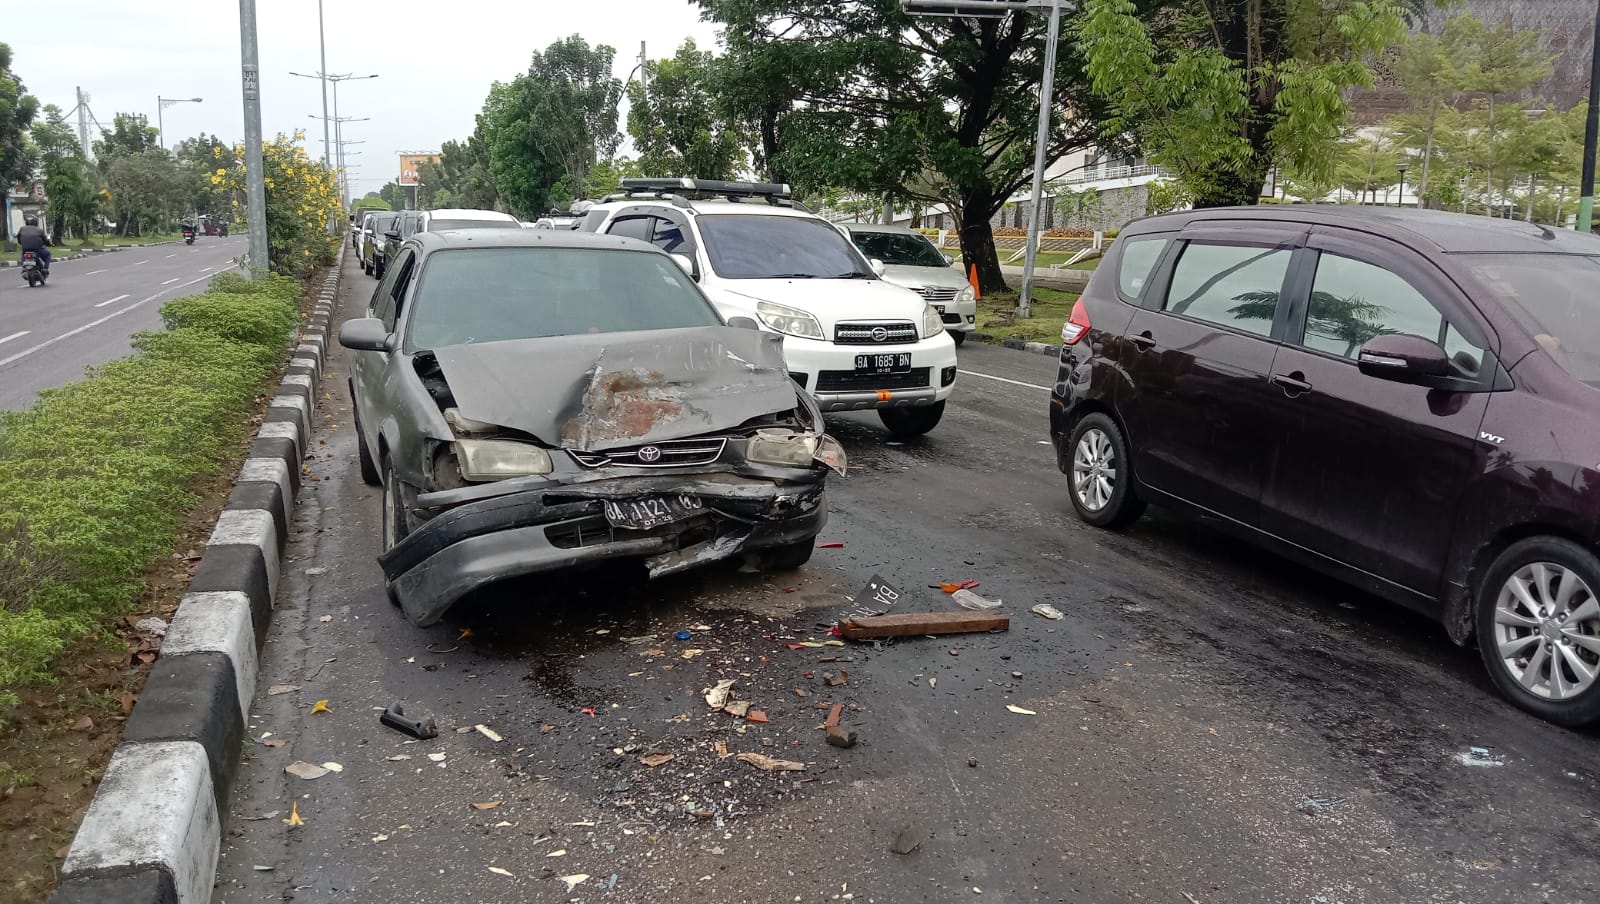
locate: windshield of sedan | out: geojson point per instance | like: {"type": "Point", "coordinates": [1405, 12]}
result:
{"type": "Point", "coordinates": [1556, 298]}
{"type": "Point", "coordinates": [905, 249]}
{"type": "Point", "coordinates": [442, 225]}
{"type": "Point", "coordinates": [752, 246]}
{"type": "Point", "coordinates": [493, 294]}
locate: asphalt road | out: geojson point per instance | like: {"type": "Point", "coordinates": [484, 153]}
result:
{"type": "Point", "coordinates": [1207, 724]}
{"type": "Point", "coordinates": [86, 312]}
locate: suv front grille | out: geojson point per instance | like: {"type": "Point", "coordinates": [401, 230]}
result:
{"type": "Point", "coordinates": [891, 331]}
{"type": "Point", "coordinates": [676, 453]}
{"type": "Point", "coordinates": [937, 294]}
{"type": "Point", "coordinates": [850, 381]}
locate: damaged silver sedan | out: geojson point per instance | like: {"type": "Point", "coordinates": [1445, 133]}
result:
{"type": "Point", "coordinates": [534, 400]}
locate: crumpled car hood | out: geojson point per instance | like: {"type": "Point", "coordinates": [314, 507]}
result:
{"type": "Point", "coordinates": [608, 390]}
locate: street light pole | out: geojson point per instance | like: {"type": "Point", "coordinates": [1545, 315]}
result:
{"type": "Point", "coordinates": [1591, 126]}
{"type": "Point", "coordinates": [1046, 97]}
{"type": "Point", "coordinates": [163, 103]}
{"type": "Point", "coordinates": [254, 166]}
{"type": "Point", "coordinates": [322, 43]}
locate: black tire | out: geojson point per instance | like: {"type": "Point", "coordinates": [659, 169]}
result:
{"type": "Point", "coordinates": [1547, 634]}
{"type": "Point", "coordinates": [788, 558]}
{"type": "Point", "coordinates": [910, 423]}
{"type": "Point", "coordinates": [366, 266]}
{"type": "Point", "coordinates": [370, 474]}
{"type": "Point", "coordinates": [377, 269]}
{"type": "Point", "coordinates": [393, 524]}
{"type": "Point", "coordinates": [1106, 497]}
{"type": "Point", "coordinates": [958, 336]}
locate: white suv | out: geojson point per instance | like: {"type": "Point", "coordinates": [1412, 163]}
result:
{"type": "Point", "coordinates": [854, 341]}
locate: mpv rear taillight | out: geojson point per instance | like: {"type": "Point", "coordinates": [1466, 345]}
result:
{"type": "Point", "coordinates": [1077, 326]}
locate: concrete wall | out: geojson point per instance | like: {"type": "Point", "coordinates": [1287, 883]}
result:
{"type": "Point", "coordinates": [1117, 206]}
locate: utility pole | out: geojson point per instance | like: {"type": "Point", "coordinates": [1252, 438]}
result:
{"type": "Point", "coordinates": [1590, 127]}
{"type": "Point", "coordinates": [322, 43]}
{"type": "Point", "coordinates": [83, 122]}
{"type": "Point", "coordinates": [1046, 97]}
{"type": "Point", "coordinates": [644, 73]}
{"type": "Point", "coordinates": [254, 166]}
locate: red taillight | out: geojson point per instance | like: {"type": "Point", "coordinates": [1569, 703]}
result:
{"type": "Point", "coordinates": [1077, 326]}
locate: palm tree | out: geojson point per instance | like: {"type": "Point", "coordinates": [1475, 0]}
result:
{"type": "Point", "coordinates": [1350, 320]}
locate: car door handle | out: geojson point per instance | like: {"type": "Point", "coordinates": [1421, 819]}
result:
{"type": "Point", "coordinates": [1144, 340]}
{"type": "Point", "coordinates": [1292, 384]}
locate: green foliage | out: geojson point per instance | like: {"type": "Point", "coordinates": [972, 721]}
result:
{"type": "Point", "coordinates": [96, 477]}
{"type": "Point", "coordinates": [17, 111]}
{"type": "Point", "coordinates": [1166, 196]}
{"type": "Point", "coordinates": [1220, 95]}
{"type": "Point", "coordinates": [678, 127]}
{"type": "Point", "coordinates": [606, 176]}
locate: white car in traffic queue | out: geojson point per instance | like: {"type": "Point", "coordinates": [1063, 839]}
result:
{"type": "Point", "coordinates": [854, 341]}
{"type": "Point", "coordinates": [911, 260]}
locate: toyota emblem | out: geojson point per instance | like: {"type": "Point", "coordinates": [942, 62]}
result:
{"type": "Point", "coordinates": [649, 454]}
{"type": "Point", "coordinates": [879, 334]}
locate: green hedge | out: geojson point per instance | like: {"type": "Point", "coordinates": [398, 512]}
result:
{"type": "Point", "coordinates": [97, 477]}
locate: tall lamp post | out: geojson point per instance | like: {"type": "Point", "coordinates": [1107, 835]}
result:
{"type": "Point", "coordinates": [1401, 168]}
{"type": "Point", "coordinates": [161, 104]}
{"type": "Point", "coordinates": [1591, 126]}
{"type": "Point", "coordinates": [330, 154]}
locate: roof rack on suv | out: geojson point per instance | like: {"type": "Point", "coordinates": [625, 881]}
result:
{"type": "Point", "coordinates": [678, 189]}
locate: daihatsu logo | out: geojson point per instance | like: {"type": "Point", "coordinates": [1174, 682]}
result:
{"type": "Point", "coordinates": [879, 334]}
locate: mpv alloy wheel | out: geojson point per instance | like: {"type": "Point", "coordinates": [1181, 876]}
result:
{"type": "Point", "coordinates": [1101, 479]}
{"type": "Point", "coordinates": [1539, 628]}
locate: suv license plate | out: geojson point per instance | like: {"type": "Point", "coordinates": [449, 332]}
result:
{"type": "Point", "coordinates": [651, 512]}
{"type": "Point", "coordinates": [897, 363]}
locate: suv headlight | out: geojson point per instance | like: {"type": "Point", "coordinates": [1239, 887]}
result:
{"type": "Point", "coordinates": [932, 322]}
{"type": "Point", "coordinates": [789, 321]}
{"type": "Point", "coordinates": [779, 446]}
{"type": "Point", "coordinates": [493, 459]}
{"type": "Point", "coordinates": [966, 296]}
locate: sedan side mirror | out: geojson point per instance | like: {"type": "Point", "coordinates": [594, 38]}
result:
{"type": "Point", "coordinates": [686, 264]}
{"type": "Point", "coordinates": [878, 267]}
{"type": "Point", "coordinates": [366, 334]}
{"type": "Point", "coordinates": [743, 323]}
{"type": "Point", "coordinates": [1403, 358]}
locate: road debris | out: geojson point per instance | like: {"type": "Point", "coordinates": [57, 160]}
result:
{"type": "Point", "coordinates": [1012, 707]}
{"type": "Point", "coordinates": [321, 706]}
{"type": "Point", "coordinates": [294, 815]}
{"type": "Point", "coordinates": [395, 717]}
{"type": "Point", "coordinates": [949, 587]}
{"type": "Point", "coordinates": [1480, 756]}
{"type": "Point", "coordinates": [842, 737]}
{"type": "Point", "coordinates": [656, 759]}
{"type": "Point", "coordinates": [834, 545]}
{"type": "Point", "coordinates": [488, 732]}
{"type": "Point", "coordinates": [280, 689]}
{"type": "Point", "coordinates": [876, 598]}
{"type": "Point", "coordinates": [915, 624]}
{"type": "Point", "coordinates": [1048, 611]}
{"type": "Point", "coordinates": [436, 757]}
{"type": "Point", "coordinates": [836, 679]}
{"type": "Point", "coordinates": [487, 805]}
{"type": "Point", "coordinates": [834, 713]}
{"type": "Point", "coordinates": [966, 599]}
{"type": "Point", "coordinates": [1311, 806]}
{"type": "Point", "coordinates": [768, 764]}
{"type": "Point", "coordinates": [684, 635]}
{"type": "Point", "coordinates": [275, 742]}
{"type": "Point", "coordinates": [501, 872]}
{"type": "Point", "coordinates": [574, 880]}
{"type": "Point", "coordinates": [737, 708]}
{"type": "Point", "coordinates": [908, 839]}
{"type": "Point", "coordinates": [717, 697]}
{"type": "Point", "coordinates": [153, 626]}
{"type": "Point", "coordinates": [307, 771]}
{"type": "Point", "coordinates": [333, 767]}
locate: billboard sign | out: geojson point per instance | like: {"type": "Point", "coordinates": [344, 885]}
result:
{"type": "Point", "coordinates": [411, 166]}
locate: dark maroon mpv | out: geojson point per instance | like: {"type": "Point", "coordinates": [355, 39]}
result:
{"type": "Point", "coordinates": [1408, 400]}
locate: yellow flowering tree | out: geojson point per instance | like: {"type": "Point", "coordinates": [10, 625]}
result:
{"type": "Point", "coordinates": [302, 199]}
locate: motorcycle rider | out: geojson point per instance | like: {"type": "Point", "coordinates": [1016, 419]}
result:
{"type": "Point", "coordinates": [32, 238]}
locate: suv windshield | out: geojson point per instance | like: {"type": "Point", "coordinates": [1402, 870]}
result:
{"type": "Point", "coordinates": [753, 246]}
{"type": "Point", "coordinates": [442, 225]}
{"type": "Point", "coordinates": [911, 250]}
{"type": "Point", "coordinates": [1553, 296]}
{"type": "Point", "coordinates": [493, 294]}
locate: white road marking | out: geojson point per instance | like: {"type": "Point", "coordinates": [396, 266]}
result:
{"type": "Point", "coordinates": [205, 269]}
{"type": "Point", "coordinates": [14, 336]}
{"type": "Point", "coordinates": [1005, 380]}
{"type": "Point", "coordinates": [173, 254]}
{"type": "Point", "coordinates": [92, 324]}
{"type": "Point", "coordinates": [142, 262]}
{"type": "Point", "coordinates": [172, 280]}
{"type": "Point", "coordinates": [93, 272]}
{"type": "Point", "coordinates": [110, 301]}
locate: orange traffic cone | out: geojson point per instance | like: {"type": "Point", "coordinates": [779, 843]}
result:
{"type": "Point", "coordinates": [972, 277]}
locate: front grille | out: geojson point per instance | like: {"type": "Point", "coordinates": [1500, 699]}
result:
{"type": "Point", "coordinates": [937, 294]}
{"type": "Point", "coordinates": [678, 453]}
{"type": "Point", "coordinates": [951, 318]}
{"type": "Point", "coordinates": [892, 331]}
{"type": "Point", "coordinates": [850, 381]}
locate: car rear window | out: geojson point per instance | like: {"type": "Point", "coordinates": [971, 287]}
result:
{"type": "Point", "coordinates": [491, 294]}
{"type": "Point", "coordinates": [442, 225]}
{"type": "Point", "coordinates": [1139, 256]}
{"type": "Point", "coordinates": [1555, 297]}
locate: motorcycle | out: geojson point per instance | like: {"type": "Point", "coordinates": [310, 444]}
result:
{"type": "Point", "coordinates": [188, 235]}
{"type": "Point", "coordinates": [32, 270]}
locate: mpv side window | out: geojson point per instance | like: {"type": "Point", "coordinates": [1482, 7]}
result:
{"type": "Point", "coordinates": [631, 228]}
{"type": "Point", "coordinates": [1139, 256]}
{"type": "Point", "coordinates": [673, 237]}
{"type": "Point", "coordinates": [1353, 301]}
{"type": "Point", "coordinates": [1230, 285]}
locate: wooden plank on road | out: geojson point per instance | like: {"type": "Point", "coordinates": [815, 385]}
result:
{"type": "Point", "coordinates": [912, 624]}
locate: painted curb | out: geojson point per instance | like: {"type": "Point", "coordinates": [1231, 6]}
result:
{"type": "Point", "coordinates": [1037, 348]}
{"type": "Point", "coordinates": [153, 832]}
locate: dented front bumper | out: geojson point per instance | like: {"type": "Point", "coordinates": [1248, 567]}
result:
{"type": "Point", "coordinates": [473, 540]}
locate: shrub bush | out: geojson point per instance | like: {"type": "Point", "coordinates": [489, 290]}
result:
{"type": "Point", "coordinates": [97, 476]}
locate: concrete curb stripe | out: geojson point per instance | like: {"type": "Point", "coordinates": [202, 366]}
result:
{"type": "Point", "coordinates": [299, 380]}
{"type": "Point", "coordinates": [155, 807]}
{"type": "Point", "coordinates": [250, 527]}
{"type": "Point", "coordinates": [283, 430]}
{"type": "Point", "coordinates": [218, 623]}
{"type": "Point", "coordinates": [275, 470]}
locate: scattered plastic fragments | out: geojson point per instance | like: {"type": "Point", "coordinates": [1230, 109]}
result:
{"type": "Point", "coordinates": [306, 771]}
{"type": "Point", "coordinates": [948, 587]}
{"type": "Point", "coordinates": [717, 697]}
{"type": "Point", "coordinates": [574, 880]}
{"type": "Point", "coordinates": [1012, 707]}
{"type": "Point", "coordinates": [768, 764]}
{"type": "Point", "coordinates": [966, 599]}
{"type": "Point", "coordinates": [1311, 806]}
{"type": "Point", "coordinates": [830, 546]}
{"type": "Point", "coordinates": [1480, 756]}
{"type": "Point", "coordinates": [1048, 611]}
{"type": "Point", "coordinates": [684, 635]}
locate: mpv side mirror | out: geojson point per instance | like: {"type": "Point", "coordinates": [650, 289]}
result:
{"type": "Point", "coordinates": [877, 266]}
{"type": "Point", "coordinates": [1403, 358]}
{"type": "Point", "coordinates": [366, 334]}
{"type": "Point", "coordinates": [743, 323]}
{"type": "Point", "coordinates": [949, 261]}
{"type": "Point", "coordinates": [393, 235]}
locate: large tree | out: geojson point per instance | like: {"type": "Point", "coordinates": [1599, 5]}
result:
{"type": "Point", "coordinates": [677, 125]}
{"type": "Point", "coordinates": [932, 110]}
{"type": "Point", "coordinates": [63, 169]}
{"type": "Point", "coordinates": [1218, 92]}
{"type": "Point", "coordinates": [17, 110]}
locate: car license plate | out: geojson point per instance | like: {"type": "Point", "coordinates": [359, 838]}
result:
{"type": "Point", "coordinates": [897, 363]}
{"type": "Point", "coordinates": [939, 308]}
{"type": "Point", "coordinates": [651, 512]}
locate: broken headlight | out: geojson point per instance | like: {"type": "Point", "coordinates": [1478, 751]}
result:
{"type": "Point", "coordinates": [777, 446]}
{"type": "Point", "coordinates": [490, 459]}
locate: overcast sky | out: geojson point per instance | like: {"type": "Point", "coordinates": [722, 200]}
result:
{"type": "Point", "coordinates": [435, 62]}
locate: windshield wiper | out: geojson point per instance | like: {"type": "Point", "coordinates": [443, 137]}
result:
{"type": "Point", "coordinates": [790, 276]}
{"type": "Point", "coordinates": [853, 274]}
